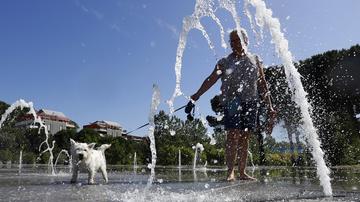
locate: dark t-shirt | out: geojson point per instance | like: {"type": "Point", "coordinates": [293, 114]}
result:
{"type": "Point", "coordinates": [239, 77]}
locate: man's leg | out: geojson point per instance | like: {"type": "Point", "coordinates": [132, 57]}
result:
{"type": "Point", "coordinates": [230, 150]}
{"type": "Point", "coordinates": [243, 153]}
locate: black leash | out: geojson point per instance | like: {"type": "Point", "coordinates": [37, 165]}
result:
{"type": "Point", "coordinates": [149, 123]}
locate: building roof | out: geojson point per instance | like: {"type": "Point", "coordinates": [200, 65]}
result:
{"type": "Point", "coordinates": [46, 114]}
{"type": "Point", "coordinates": [52, 113]}
{"type": "Point", "coordinates": [112, 123]}
{"type": "Point", "coordinates": [104, 124]}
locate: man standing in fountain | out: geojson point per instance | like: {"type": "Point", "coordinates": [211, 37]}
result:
{"type": "Point", "coordinates": [240, 75]}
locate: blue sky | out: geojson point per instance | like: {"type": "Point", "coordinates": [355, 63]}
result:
{"type": "Point", "coordinates": [97, 60]}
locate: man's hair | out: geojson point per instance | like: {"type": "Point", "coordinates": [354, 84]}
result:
{"type": "Point", "coordinates": [244, 35]}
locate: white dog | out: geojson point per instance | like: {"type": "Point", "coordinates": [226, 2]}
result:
{"type": "Point", "coordinates": [84, 155]}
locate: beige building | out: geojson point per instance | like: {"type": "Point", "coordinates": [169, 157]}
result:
{"type": "Point", "coordinates": [55, 121]}
{"type": "Point", "coordinates": [106, 128]}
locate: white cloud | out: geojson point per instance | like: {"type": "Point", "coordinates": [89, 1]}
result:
{"type": "Point", "coordinates": [94, 12]}
{"type": "Point", "coordinates": [115, 27]}
{"type": "Point", "coordinates": [97, 14]}
{"type": "Point", "coordinates": [84, 8]}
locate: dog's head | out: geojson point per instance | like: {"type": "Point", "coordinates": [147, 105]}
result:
{"type": "Point", "coordinates": [81, 151]}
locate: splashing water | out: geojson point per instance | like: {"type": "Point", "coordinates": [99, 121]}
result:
{"type": "Point", "coordinates": [172, 132]}
{"type": "Point", "coordinates": [263, 17]}
{"type": "Point", "coordinates": [251, 158]}
{"type": "Point", "coordinates": [203, 8]}
{"type": "Point", "coordinates": [37, 119]}
{"type": "Point", "coordinates": [206, 125]}
{"type": "Point", "coordinates": [67, 154]}
{"type": "Point", "coordinates": [155, 101]}
{"type": "Point", "coordinates": [19, 103]}
{"type": "Point", "coordinates": [258, 34]}
{"type": "Point", "coordinates": [230, 5]}
{"type": "Point", "coordinates": [197, 147]}
{"type": "Point", "coordinates": [252, 162]}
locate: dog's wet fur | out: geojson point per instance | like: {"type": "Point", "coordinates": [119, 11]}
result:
{"type": "Point", "coordinates": [84, 155]}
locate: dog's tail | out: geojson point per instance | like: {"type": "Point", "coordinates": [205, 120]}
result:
{"type": "Point", "coordinates": [104, 147]}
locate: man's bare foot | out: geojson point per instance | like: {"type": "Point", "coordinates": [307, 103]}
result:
{"type": "Point", "coordinates": [246, 177]}
{"type": "Point", "coordinates": [230, 177]}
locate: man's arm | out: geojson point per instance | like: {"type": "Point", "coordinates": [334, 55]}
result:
{"type": "Point", "coordinates": [208, 82]}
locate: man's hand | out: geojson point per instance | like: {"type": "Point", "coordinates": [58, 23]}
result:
{"type": "Point", "coordinates": [189, 107]}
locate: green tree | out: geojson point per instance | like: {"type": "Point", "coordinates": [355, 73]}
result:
{"type": "Point", "coordinates": [3, 106]}
{"type": "Point", "coordinates": [88, 135]}
{"type": "Point", "coordinates": [62, 138]}
{"type": "Point", "coordinates": [6, 155]}
{"type": "Point", "coordinates": [172, 134]}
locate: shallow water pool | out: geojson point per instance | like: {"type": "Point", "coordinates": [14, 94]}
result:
{"type": "Point", "coordinates": [34, 183]}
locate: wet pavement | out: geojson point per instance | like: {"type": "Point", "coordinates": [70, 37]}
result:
{"type": "Point", "coordinates": [34, 183]}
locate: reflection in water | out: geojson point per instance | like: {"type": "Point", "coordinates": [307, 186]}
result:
{"type": "Point", "coordinates": [180, 179]}
{"type": "Point", "coordinates": [20, 160]}
{"type": "Point", "coordinates": [179, 167]}
{"type": "Point", "coordinates": [135, 163]}
{"type": "Point", "coordinates": [195, 176]}
{"type": "Point", "coordinates": [179, 156]}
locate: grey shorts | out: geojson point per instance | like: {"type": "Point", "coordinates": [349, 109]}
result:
{"type": "Point", "coordinates": [240, 115]}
